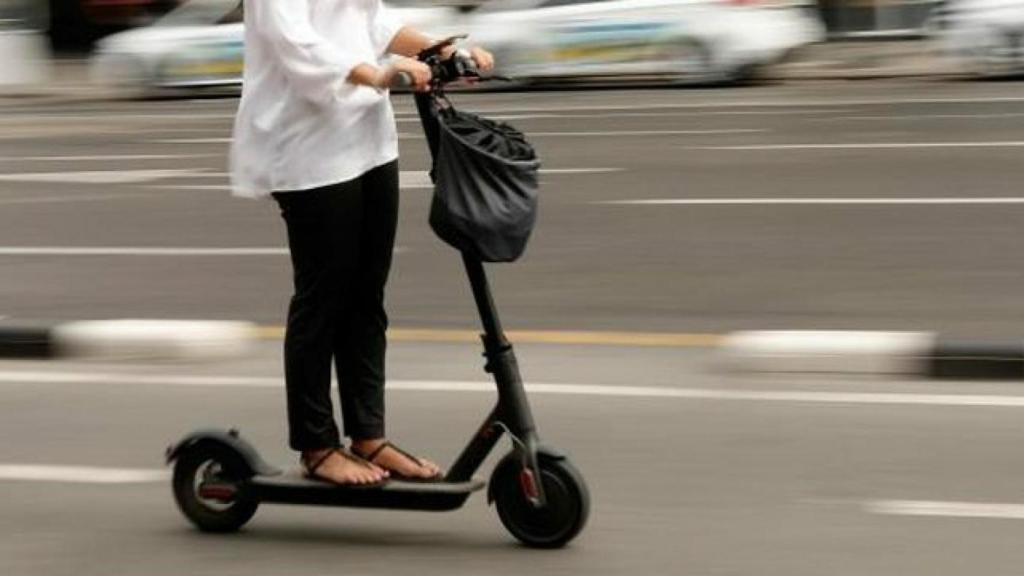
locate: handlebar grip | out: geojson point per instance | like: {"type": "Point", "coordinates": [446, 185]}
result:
{"type": "Point", "coordinates": [403, 80]}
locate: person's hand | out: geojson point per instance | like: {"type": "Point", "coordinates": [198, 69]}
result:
{"type": "Point", "coordinates": [418, 72]}
{"type": "Point", "coordinates": [484, 59]}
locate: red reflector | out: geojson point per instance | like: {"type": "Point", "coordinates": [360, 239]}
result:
{"type": "Point", "coordinates": [221, 492]}
{"type": "Point", "coordinates": [529, 484]}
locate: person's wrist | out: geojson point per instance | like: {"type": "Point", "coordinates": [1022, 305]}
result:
{"type": "Point", "coordinates": [382, 78]}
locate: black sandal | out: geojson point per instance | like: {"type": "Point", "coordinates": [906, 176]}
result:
{"type": "Point", "coordinates": [372, 456]}
{"type": "Point", "coordinates": [310, 470]}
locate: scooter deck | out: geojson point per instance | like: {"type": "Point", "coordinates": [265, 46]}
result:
{"type": "Point", "coordinates": [294, 488]}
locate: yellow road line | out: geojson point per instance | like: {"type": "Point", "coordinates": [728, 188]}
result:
{"type": "Point", "coordinates": [647, 339]}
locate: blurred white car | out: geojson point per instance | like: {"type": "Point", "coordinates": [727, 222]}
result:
{"type": "Point", "coordinates": [987, 35]}
{"type": "Point", "coordinates": [198, 44]}
{"type": "Point", "coordinates": [545, 40]}
{"type": "Point", "coordinates": [534, 40]}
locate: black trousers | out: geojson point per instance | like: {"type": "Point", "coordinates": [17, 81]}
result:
{"type": "Point", "coordinates": [341, 238]}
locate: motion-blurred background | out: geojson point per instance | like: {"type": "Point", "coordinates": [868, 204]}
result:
{"type": "Point", "coordinates": [197, 42]}
{"type": "Point", "coordinates": [709, 167]}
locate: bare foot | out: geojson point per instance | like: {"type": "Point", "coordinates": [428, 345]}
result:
{"type": "Point", "coordinates": [393, 459]}
{"type": "Point", "coordinates": [338, 467]}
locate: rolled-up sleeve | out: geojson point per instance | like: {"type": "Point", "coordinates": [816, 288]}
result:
{"type": "Point", "coordinates": [315, 68]}
{"type": "Point", "coordinates": [386, 25]}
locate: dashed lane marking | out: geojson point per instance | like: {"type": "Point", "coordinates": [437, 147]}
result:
{"type": "Point", "coordinates": [136, 251]}
{"type": "Point", "coordinates": [991, 510]}
{"type": "Point", "coordinates": [935, 201]}
{"type": "Point", "coordinates": [102, 176]}
{"type": "Point", "coordinates": [104, 158]}
{"type": "Point", "coordinates": [862, 146]}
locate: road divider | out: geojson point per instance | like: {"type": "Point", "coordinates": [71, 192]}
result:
{"type": "Point", "coordinates": [991, 510]}
{"type": "Point", "coordinates": [916, 354]}
{"type": "Point", "coordinates": [80, 474]}
{"type": "Point", "coordinates": [129, 339]}
{"type": "Point", "coordinates": [920, 354]}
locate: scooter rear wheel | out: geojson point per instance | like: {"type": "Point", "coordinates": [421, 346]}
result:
{"type": "Point", "coordinates": [562, 517]}
{"type": "Point", "coordinates": [209, 487]}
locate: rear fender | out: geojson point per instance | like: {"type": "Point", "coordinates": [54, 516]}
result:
{"type": "Point", "coordinates": [223, 439]}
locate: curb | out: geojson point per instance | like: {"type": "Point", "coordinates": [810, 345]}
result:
{"type": "Point", "coordinates": [129, 339]}
{"type": "Point", "coordinates": [920, 354]}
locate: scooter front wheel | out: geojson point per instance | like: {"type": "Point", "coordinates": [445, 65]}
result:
{"type": "Point", "coordinates": [564, 513]}
{"type": "Point", "coordinates": [209, 488]}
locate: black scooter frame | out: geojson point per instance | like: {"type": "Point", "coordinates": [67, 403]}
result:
{"type": "Point", "coordinates": [511, 414]}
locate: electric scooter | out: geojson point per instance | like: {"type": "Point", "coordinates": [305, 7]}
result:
{"type": "Point", "coordinates": [220, 479]}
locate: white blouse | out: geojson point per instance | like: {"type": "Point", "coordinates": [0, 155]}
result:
{"type": "Point", "coordinates": [300, 123]}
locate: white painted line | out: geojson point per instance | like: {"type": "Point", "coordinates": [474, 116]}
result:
{"type": "Point", "coordinates": [580, 170]}
{"type": "Point", "coordinates": [607, 391]}
{"type": "Point", "coordinates": [107, 117]}
{"type": "Point", "coordinates": [865, 146]}
{"type": "Point", "coordinates": [782, 103]}
{"type": "Point", "coordinates": [817, 201]}
{"type": "Point", "coordinates": [409, 179]}
{"type": "Point", "coordinates": [924, 117]}
{"type": "Point", "coordinates": [136, 251]}
{"type": "Point", "coordinates": [946, 509]}
{"type": "Point", "coordinates": [609, 133]}
{"type": "Point", "coordinates": [196, 187]}
{"type": "Point", "coordinates": [401, 135]}
{"type": "Point", "coordinates": [191, 141]}
{"type": "Point", "coordinates": [80, 474]}
{"type": "Point", "coordinates": [100, 176]}
{"type": "Point", "coordinates": [68, 198]}
{"type": "Point", "coordinates": [661, 114]}
{"type": "Point", "coordinates": [103, 158]}
{"type": "Point", "coordinates": [146, 251]}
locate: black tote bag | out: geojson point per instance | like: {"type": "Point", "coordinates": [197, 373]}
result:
{"type": "Point", "coordinates": [486, 184]}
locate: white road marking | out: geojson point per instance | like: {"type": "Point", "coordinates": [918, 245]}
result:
{"type": "Point", "coordinates": [191, 141]}
{"type": "Point", "coordinates": [923, 117]}
{"type": "Point", "coordinates": [103, 158]}
{"type": "Point", "coordinates": [68, 198]}
{"type": "Point", "coordinates": [145, 251]}
{"type": "Point", "coordinates": [401, 135]}
{"type": "Point", "coordinates": [609, 133]}
{"type": "Point", "coordinates": [408, 136]}
{"type": "Point", "coordinates": [101, 176]}
{"type": "Point", "coordinates": [409, 179]}
{"type": "Point", "coordinates": [80, 474]}
{"type": "Point", "coordinates": [136, 251]}
{"type": "Point", "coordinates": [662, 114]}
{"type": "Point", "coordinates": [946, 509]}
{"type": "Point", "coordinates": [817, 201]}
{"type": "Point", "coordinates": [594, 390]}
{"type": "Point", "coordinates": [198, 187]}
{"type": "Point", "coordinates": [782, 103]}
{"type": "Point", "coordinates": [106, 117]}
{"type": "Point", "coordinates": [865, 146]}
{"type": "Point", "coordinates": [579, 170]}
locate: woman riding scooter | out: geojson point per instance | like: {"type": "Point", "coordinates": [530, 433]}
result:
{"type": "Point", "coordinates": [315, 130]}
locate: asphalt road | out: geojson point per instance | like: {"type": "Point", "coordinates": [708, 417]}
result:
{"type": "Point", "coordinates": [691, 471]}
{"type": "Point", "coordinates": [68, 179]}
{"type": "Point", "coordinates": [888, 205]}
